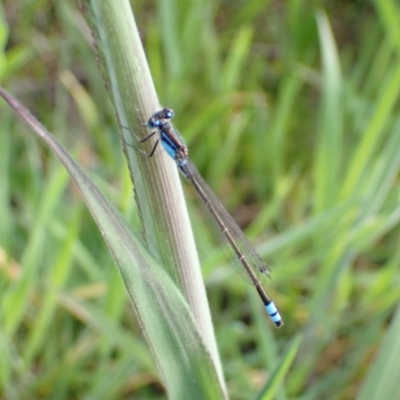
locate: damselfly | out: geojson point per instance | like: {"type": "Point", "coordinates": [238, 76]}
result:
{"type": "Point", "coordinates": [246, 255]}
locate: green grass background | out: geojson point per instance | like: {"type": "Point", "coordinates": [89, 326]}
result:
{"type": "Point", "coordinates": [290, 114]}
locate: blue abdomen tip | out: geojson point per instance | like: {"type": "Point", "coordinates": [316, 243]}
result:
{"type": "Point", "coordinates": [274, 314]}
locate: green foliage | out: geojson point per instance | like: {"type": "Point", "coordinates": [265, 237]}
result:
{"type": "Point", "coordinates": [184, 363]}
{"type": "Point", "coordinates": [290, 111]}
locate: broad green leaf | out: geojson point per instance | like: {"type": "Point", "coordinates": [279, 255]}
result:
{"type": "Point", "coordinates": [167, 323]}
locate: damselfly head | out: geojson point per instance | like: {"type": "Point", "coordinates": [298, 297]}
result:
{"type": "Point", "coordinates": [164, 114]}
{"type": "Point", "coordinates": [153, 122]}
{"type": "Point", "coordinates": [168, 113]}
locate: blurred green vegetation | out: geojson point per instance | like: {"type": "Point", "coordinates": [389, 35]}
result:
{"type": "Point", "coordinates": [297, 129]}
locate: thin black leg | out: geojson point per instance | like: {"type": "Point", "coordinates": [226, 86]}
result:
{"type": "Point", "coordinates": [141, 151]}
